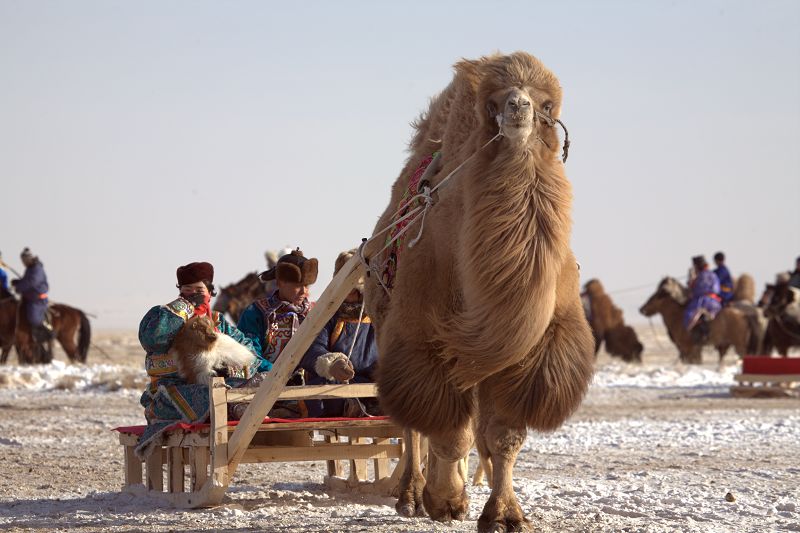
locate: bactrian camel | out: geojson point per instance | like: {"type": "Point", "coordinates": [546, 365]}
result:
{"type": "Point", "coordinates": [480, 327]}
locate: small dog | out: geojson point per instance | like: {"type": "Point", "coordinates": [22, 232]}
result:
{"type": "Point", "coordinates": [199, 349]}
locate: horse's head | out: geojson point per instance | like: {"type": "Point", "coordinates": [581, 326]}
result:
{"type": "Point", "coordinates": [670, 289]}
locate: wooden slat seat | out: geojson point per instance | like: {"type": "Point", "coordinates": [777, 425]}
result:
{"type": "Point", "coordinates": [186, 454]}
{"type": "Point", "coordinates": [213, 455]}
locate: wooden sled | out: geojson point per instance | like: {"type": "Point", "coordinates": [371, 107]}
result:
{"type": "Point", "coordinates": [200, 462]}
{"type": "Point", "coordinates": [768, 377]}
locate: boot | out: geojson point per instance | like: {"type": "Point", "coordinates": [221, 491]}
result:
{"type": "Point", "coordinates": [699, 333]}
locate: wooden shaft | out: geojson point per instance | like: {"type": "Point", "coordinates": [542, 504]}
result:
{"type": "Point", "coordinates": [273, 385]}
{"type": "Point", "coordinates": [311, 392]}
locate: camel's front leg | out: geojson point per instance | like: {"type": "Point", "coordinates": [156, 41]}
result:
{"type": "Point", "coordinates": [445, 495]}
{"type": "Point", "coordinates": [409, 501]}
{"type": "Point", "coordinates": [501, 441]}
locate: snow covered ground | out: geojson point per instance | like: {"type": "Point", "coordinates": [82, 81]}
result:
{"type": "Point", "coordinates": [655, 447]}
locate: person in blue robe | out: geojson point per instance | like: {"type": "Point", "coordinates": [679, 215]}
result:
{"type": "Point", "coordinates": [344, 351]}
{"type": "Point", "coordinates": [724, 277]}
{"type": "Point", "coordinates": [32, 288]}
{"type": "Point", "coordinates": [704, 302]}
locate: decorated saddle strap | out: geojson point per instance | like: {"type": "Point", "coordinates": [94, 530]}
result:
{"type": "Point", "coordinates": [393, 252]}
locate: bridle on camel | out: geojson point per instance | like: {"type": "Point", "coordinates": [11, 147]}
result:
{"type": "Point", "coordinates": [424, 199]}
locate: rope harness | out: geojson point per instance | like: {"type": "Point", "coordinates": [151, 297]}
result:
{"type": "Point", "coordinates": [407, 215]}
{"type": "Point", "coordinates": [418, 200]}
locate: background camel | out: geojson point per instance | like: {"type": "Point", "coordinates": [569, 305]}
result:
{"type": "Point", "coordinates": [733, 326]}
{"type": "Point", "coordinates": [607, 324]}
{"type": "Point", "coordinates": [486, 305]}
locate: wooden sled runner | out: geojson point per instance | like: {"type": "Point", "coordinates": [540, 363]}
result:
{"type": "Point", "coordinates": [768, 377]}
{"type": "Point", "coordinates": [200, 461]}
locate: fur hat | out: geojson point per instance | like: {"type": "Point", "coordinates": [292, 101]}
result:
{"type": "Point", "coordinates": [699, 261]}
{"type": "Point", "coordinates": [293, 268]}
{"type": "Point", "coordinates": [343, 258]}
{"type": "Point", "coordinates": [194, 272]}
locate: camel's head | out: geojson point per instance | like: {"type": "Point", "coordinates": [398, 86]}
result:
{"type": "Point", "coordinates": [518, 93]}
{"type": "Point", "coordinates": [668, 289]}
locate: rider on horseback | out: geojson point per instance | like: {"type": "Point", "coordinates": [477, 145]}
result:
{"type": "Point", "coordinates": [33, 289]}
{"type": "Point", "coordinates": [705, 301]}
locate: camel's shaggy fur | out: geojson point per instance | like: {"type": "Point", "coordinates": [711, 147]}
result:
{"type": "Point", "coordinates": [486, 306]}
{"type": "Point", "coordinates": [608, 326]}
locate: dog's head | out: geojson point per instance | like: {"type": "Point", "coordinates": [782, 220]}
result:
{"type": "Point", "coordinates": [199, 333]}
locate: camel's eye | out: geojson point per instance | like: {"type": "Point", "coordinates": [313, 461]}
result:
{"type": "Point", "coordinates": [547, 107]}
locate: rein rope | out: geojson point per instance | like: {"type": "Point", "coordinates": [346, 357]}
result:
{"type": "Point", "coordinates": [426, 202]}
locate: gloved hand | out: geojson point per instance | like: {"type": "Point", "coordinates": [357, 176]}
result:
{"type": "Point", "coordinates": [342, 370]}
{"type": "Point", "coordinates": [14, 282]}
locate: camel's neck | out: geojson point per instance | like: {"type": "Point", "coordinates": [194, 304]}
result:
{"type": "Point", "coordinates": [517, 217]}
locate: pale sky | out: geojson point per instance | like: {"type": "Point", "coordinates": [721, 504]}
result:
{"type": "Point", "coordinates": [139, 136]}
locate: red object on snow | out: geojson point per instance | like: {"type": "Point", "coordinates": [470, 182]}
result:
{"type": "Point", "coordinates": [753, 364]}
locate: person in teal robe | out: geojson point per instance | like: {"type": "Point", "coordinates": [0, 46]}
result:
{"type": "Point", "coordinates": [168, 398]}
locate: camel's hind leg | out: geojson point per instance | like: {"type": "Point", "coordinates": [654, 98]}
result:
{"type": "Point", "coordinates": [409, 500]}
{"type": "Point", "coordinates": [445, 494]}
{"type": "Point", "coordinates": [484, 468]}
{"type": "Point", "coordinates": [500, 438]}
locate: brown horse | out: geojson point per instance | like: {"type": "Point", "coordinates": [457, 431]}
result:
{"type": "Point", "coordinates": [234, 298]}
{"type": "Point", "coordinates": [8, 321]}
{"type": "Point", "coordinates": [731, 326]}
{"type": "Point", "coordinates": [66, 322]}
